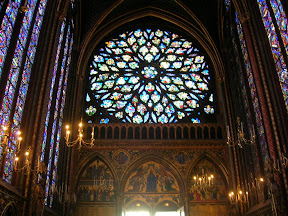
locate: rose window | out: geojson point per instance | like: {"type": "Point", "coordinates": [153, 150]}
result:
{"type": "Point", "coordinates": [147, 76]}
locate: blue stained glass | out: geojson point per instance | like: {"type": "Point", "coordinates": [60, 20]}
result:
{"type": "Point", "coordinates": [227, 4]}
{"type": "Point", "coordinates": [153, 76]}
{"type": "Point", "coordinates": [7, 25]}
{"type": "Point", "coordinates": [19, 50]}
{"type": "Point", "coordinates": [61, 118]}
{"type": "Point", "coordinates": [253, 90]}
{"type": "Point", "coordinates": [281, 20]}
{"type": "Point", "coordinates": [27, 20]}
{"type": "Point", "coordinates": [57, 108]}
{"type": "Point", "coordinates": [58, 115]}
{"type": "Point", "coordinates": [274, 43]}
{"type": "Point", "coordinates": [52, 87]}
{"type": "Point", "coordinates": [196, 120]}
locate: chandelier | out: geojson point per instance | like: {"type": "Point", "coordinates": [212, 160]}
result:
{"type": "Point", "coordinates": [21, 162]}
{"type": "Point", "coordinates": [241, 140]}
{"type": "Point", "coordinates": [240, 196]}
{"type": "Point", "coordinates": [79, 140]}
{"type": "Point", "coordinates": [203, 180]}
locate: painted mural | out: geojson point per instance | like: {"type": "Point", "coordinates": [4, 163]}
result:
{"type": "Point", "coordinates": [215, 189]}
{"type": "Point", "coordinates": [182, 158]}
{"type": "Point", "coordinates": [121, 157]}
{"type": "Point", "coordinates": [151, 177]}
{"type": "Point", "coordinates": [96, 184]}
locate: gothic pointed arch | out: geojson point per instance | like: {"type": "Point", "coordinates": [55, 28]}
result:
{"type": "Point", "coordinates": [152, 180]}
{"type": "Point", "coordinates": [207, 180]}
{"type": "Point", "coordinates": [96, 181]}
{"type": "Point", "coordinates": [168, 19]}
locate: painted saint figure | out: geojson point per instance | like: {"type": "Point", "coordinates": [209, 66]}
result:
{"type": "Point", "coordinates": [151, 182]}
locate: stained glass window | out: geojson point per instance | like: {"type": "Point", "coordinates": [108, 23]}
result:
{"type": "Point", "coordinates": [21, 58]}
{"type": "Point", "coordinates": [275, 40]}
{"type": "Point", "coordinates": [6, 29]}
{"type": "Point", "coordinates": [227, 4]}
{"type": "Point", "coordinates": [253, 90]}
{"type": "Point", "coordinates": [55, 107]}
{"type": "Point", "coordinates": [147, 76]}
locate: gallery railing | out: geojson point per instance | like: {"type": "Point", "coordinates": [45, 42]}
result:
{"type": "Point", "coordinates": [154, 131]}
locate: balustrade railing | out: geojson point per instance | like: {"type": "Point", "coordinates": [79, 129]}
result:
{"type": "Point", "coordinates": [155, 131]}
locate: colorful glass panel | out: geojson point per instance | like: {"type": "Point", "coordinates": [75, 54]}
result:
{"type": "Point", "coordinates": [54, 173]}
{"type": "Point", "coordinates": [227, 4]}
{"type": "Point", "coordinates": [55, 117]}
{"type": "Point", "coordinates": [147, 76]}
{"type": "Point", "coordinates": [56, 62]}
{"type": "Point", "coordinates": [6, 29]}
{"type": "Point", "coordinates": [15, 71]}
{"type": "Point", "coordinates": [281, 20]}
{"type": "Point", "coordinates": [275, 45]}
{"type": "Point", "coordinates": [253, 90]}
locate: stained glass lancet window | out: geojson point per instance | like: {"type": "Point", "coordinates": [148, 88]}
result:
{"type": "Point", "coordinates": [55, 107]}
{"type": "Point", "coordinates": [6, 29]}
{"type": "Point", "coordinates": [227, 4]}
{"type": "Point", "coordinates": [276, 40]}
{"type": "Point", "coordinates": [18, 80]}
{"type": "Point", "coordinates": [253, 90]}
{"type": "Point", "coordinates": [147, 76]}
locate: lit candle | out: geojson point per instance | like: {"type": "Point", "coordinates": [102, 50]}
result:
{"type": "Point", "coordinates": [26, 155]}
{"type": "Point", "coordinates": [19, 143]}
{"type": "Point", "coordinates": [242, 127]}
{"type": "Point", "coordinates": [228, 131]}
{"type": "Point", "coordinates": [16, 162]}
{"type": "Point", "coordinates": [92, 134]}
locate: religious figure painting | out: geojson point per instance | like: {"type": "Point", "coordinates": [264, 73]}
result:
{"type": "Point", "coordinates": [121, 157]}
{"type": "Point", "coordinates": [152, 177]}
{"type": "Point", "coordinates": [213, 190]}
{"type": "Point", "coordinates": [181, 158]}
{"type": "Point", "coordinates": [96, 183]}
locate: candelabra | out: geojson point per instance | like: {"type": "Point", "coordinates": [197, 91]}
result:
{"type": "Point", "coordinates": [27, 161]}
{"type": "Point", "coordinates": [258, 183]}
{"type": "Point", "coordinates": [40, 168]}
{"type": "Point", "coordinates": [103, 183]}
{"type": "Point", "coordinates": [284, 161]}
{"type": "Point", "coordinates": [7, 138]}
{"type": "Point", "coordinates": [64, 196]}
{"type": "Point", "coordinates": [241, 135]}
{"type": "Point", "coordinates": [203, 180]}
{"type": "Point", "coordinates": [240, 196]}
{"type": "Point", "coordinates": [79, 139]}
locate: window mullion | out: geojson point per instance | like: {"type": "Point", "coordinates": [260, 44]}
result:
{"type": "Point", "coordinates": [10, 27]}
{"type": "Point", "coordinates": [53, 102]}
{"type": "Point", "coordinates": [3, 6]}
{"type": "Point", "coordinates": [279, 35]}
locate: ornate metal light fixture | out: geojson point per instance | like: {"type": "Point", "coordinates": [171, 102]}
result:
{"type": "Point", "coordinates": [203, 180]}
{"type": "Point", "coordinates": [241, 140]}
{"type": "Point", "coordinates": [27, 156]}
{"type": "Point", "coordinates": [240, 196]}
{"type": "Point", "coordinates": [80, 139]}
